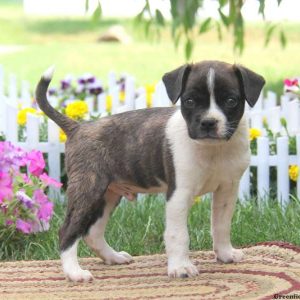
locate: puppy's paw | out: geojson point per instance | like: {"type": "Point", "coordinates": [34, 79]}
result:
{"type": "Point", "coordinates": [80, 275]}
{"type": "Point", "coordinates": [182, 270]}
{"type": "Point", "coordinates": [229, 255]}
{"type": "Point", "coordinates": [118, 258]}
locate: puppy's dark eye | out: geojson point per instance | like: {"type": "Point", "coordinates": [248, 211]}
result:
{"type": "Point", "coordinates": [189, 103]}
{"type": "Point", "coordinates": [231, 102]}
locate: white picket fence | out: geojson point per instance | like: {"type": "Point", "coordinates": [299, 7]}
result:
{"type": "Point", "coordinates": [266, 108]}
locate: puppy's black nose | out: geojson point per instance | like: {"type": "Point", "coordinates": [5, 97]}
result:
{"type": "Point", "coordinates": [208, 124]}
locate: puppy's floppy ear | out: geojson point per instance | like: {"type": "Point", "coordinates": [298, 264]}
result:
{"type": "Point", "coordinates": [251, 82]}
{"type": "Point", "coordinates": [175, 81]}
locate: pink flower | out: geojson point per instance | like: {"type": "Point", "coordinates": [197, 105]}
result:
{"type": "Point", "coordinates": [36, 162]}
{"type": "Point", "coordinates": [289, 82]}
{"type": "Point", "coordinates": [23, 226]}
{"type": "Point", "coordinates": [40, 197]}
{"type": "Point", "coordinates": [9, 222]}
{"type": "Point", "coordinates": [45, 211]}
{"type": "Point", "coordinates": [50, 181]}
{"type": "Point", "coordinates": [6, 191]}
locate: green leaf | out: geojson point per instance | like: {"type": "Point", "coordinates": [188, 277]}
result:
{"type": "Point", "coordinates": [282, 39]}
{"type": "Point", "coordinates": [205, 25]}
{"type": "Point", "coordinates": [269, 34]}
{"type": "Point", "coordinates": [224, 18]}
{"type": "Point", "coordinates": [188, 49]}
{"type": "Point", "coordinates": [219, 30]}
{"type": "Point", "coordinates": [97, 13]}
{"type": "Point", "coordinates": [261, 9]}
{"type": "Point", "coordinates": [159, 17]}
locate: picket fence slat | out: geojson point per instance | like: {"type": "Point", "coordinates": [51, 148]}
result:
{"type": "Point", "coordinates": [263, 172]}
{"type": "Point", "coordinates": [282, 170]}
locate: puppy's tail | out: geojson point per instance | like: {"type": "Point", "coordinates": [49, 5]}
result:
{"type": "Point", "coordinates": [66, 124]}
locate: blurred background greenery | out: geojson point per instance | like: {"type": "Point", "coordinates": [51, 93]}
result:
{"type": "Point", "coordinates": [28, 45]}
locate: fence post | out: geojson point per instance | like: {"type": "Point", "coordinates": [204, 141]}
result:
{"type": "Point", "coordinates": [298, 163]}
{"type": "Point", "coordinates": [256, 119]}
{"type": "Point", "coordinates": [11, 131]}
{"type": "Point", "coordinates": [12, 89]}
{"type": "Point", "coordinates": [25, 94]}
{"type": "Point", "coordinates": [273, 119]}
{"type": "Point", "coordinates": [32, 131]}
{"type": "Point", "coordinates": [282, 170]}
{"type": "Point", "coordinates": [244, 189]}
{"type": "Point", "coordinates": [293, 115]}
{"type": "Point", "coordinates": [1, 81]}
{"type": "Point", "coordinates": [263, 171]}
{"type": "Point", "coordinates": [271, 100]}
{"type": "Point", "coordinates": [54, 156]}
{"type": "Point", "coordinates": [140, 102]}
{"type": "Point", "coordinates": [129, 92]}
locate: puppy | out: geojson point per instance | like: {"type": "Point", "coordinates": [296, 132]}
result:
{"type": "Point", "coordinates": [198, 148]}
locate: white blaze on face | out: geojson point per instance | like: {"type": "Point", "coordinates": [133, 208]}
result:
{"type": "Point", "coordinates": [214, 111]}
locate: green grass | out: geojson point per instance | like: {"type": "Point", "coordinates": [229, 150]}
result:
{"type": "Point", "coordinates": [70, 44]}
{"type": "Point", "coordinates": [137, 227]}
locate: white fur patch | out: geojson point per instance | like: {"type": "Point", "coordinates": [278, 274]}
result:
{"type": "Point", "coordinates": [71, 266]}
{"type": "Point", "coordinates": [48, 74]}
{"type": "Point", "coordinates": [214, 111]}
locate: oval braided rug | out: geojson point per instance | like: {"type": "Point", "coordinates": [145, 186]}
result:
{"type": "Point", "coordinates": [267, 269]}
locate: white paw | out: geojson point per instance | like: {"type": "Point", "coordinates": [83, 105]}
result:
{"type": "Point", "coordinates": [118, 258]}
{"type": "Point", "coordinates": [229, 255]}
{"type": "Point", "coordinates": [80, 276]}
{"type": "Point", "coordinates": [182, 270]}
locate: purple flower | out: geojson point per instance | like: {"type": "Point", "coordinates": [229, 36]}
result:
{"type": "Point", "coordinates": [11, 157]}
{"type": "Point", "coordinates": [51, 91]}
{"type": "Point", "coordinates": [25, 199]}
{"type": "Point", "coordinates": [86, 78]}
{"type": "Point", "coordinates": [23, 226]}
{"type": "Point", "coordinates": [66, 82]}
{"type": "Point", "coordinates": [36, 162]}
{"type": "Point", "coordinates": [95, 88]}
{"type": "Point", "coordinates": [91, 79]}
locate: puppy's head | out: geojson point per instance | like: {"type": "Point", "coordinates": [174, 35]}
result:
{"type": "Point", "coordinates": [213, 96]}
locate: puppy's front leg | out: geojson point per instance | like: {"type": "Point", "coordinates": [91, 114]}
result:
{"type": "Point", "coordinates": [223, 204]}
{"type": "Point", "coordinates": [176, 235]}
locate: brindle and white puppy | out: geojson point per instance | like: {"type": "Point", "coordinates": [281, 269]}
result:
{"type": "Point", "coordinates": [199, 148]}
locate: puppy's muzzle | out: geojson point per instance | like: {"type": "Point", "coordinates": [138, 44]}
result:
{"type": "Point", "coordinates": [208, 128]}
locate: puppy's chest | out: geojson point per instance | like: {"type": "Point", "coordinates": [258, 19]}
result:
{"type": "Point", "coordinates": [206, 169]}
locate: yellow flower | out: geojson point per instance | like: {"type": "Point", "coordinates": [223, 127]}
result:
{"type": "Point", "coordinates": [77, 109]}
{"type": "Point", "coordinates": [197, 199]}
{"type": "Point", "coordinates": [122, 96]}
{"type": "Point", "coordinates": [22, 115]}
{"type": "Point", "coordinates": [293, 172]}
{"type": "Point", "coordinates": [254, 133]}
{"type": "Point", "coordinates": [108, 103]}
{"type": "Point", "coordinates": [150, 88]}
{"type": "Point", "coordinates": [62, 136]}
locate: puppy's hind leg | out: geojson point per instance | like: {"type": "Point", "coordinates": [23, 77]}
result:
{"type": "Point", "coordinates": [95, 238]}
{"type": "Point", "coordinates": [85, 205]}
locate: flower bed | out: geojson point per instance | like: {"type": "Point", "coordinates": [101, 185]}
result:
{"type": "Point", "coordinates": [24, 206]}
